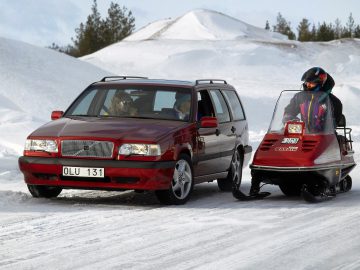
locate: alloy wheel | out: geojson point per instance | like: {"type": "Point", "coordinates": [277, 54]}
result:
{"type": "Point", "coordinates": [182, 179]}
{"type": "Point", "coordinates": [236, 168]}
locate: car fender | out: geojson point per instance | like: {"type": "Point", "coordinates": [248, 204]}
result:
{"type": "Point", "coordinates": [183, 148]}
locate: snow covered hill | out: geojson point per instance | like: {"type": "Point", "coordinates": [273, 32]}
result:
{"type": "Point", "coordinates": [112, 230]}
{"type": "Point", "coordinates": [202, 24]}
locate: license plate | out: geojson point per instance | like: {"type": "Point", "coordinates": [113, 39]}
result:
{"type": "Point", "coordinates": [83, 172]}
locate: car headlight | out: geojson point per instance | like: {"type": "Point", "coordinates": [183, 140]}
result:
{"type": "Point", "coordinates": [295, 128]}
{"type": "Point", "coordinates": [41, 145]}
{"type": "Point", "coordinates": [140, 149]}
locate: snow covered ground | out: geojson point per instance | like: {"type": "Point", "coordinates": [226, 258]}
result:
{"type": "Point", "coordinates": [112, 230]}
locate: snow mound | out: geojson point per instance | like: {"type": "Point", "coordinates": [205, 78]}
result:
{"type": "Point", "coordinates": [8, 198]}
{"type": "Point", "coordinates": [34, 82]}
{"type": "Point", "coordinates": [37, 80]}
{"type": "Point", "coordinates": [203, 24]}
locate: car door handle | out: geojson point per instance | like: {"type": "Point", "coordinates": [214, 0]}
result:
{"type": "Point", "coordinates": [217, 132]}
{"type": "Point", "coordinates": [233, 129]}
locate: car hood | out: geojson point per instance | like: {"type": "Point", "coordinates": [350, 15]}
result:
{"type": "Point", "coordinates": [113, 128]}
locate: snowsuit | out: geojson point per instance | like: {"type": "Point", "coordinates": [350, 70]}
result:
{"type": "Point", "coordinates": [300, 104]}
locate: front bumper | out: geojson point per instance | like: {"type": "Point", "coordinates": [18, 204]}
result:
{"type": "Point", "coordinates": [119, 175]}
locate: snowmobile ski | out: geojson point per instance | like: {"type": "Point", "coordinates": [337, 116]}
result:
{"type": "Point", "coordinates": [243, 197]}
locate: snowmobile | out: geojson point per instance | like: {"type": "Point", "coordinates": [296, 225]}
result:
{"type": "Point", "coordinates": [302, 152]}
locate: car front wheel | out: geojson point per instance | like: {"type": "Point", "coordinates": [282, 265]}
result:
{"type": "Point", "coordinates": [44, 191]}
{"type": "Point", "coordinates": [181, 185]}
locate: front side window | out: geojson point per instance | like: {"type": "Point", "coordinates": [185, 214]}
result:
{"type": "Point", "coordinates": [235, 105]}
{"type": "Point", "coordinates": [205, 107]}
{"type": "Point", "coordinates": [134, 101]}
{"type": "Point", "coordinates": [83, 105]}
{"type": "Point", "coordinates": [222, 111]}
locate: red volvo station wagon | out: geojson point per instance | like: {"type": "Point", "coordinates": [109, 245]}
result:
{"type": "Point", "coordinates": [134, 133]}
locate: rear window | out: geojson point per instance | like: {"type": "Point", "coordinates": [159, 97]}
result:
{"type": "Point", "coordinates": [222, 112]}
{"type": "Point", "coordinates": [235, 105]}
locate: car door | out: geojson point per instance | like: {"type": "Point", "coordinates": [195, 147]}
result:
{"type": "Point", "coordinates": [239, 123]}
{"type": "Point", "coordinates": [226, 138]}
{"type": "Point", "coordinates": [207, 147]}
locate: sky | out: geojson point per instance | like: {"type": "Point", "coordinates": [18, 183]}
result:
{"type": "Point", "coordinates": [42, 22]}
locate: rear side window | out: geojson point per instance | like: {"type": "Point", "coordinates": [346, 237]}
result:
{"type": "Point", "coordinates": [235, 105]}
{"type": "Point", "coordinates": [222, 111]}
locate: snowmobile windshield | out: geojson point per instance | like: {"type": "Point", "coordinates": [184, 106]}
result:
{"type": "Point", "coordinates": [312, 108]}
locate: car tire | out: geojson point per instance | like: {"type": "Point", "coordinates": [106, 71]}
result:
{"type": "Point", "coordinates": [44, 191]}
{"type": "Point", "coordinates": [234, 175]}
{"type": "Point", "coordinates": [291, 190]}
{"type": "Point", "coordinates": [182, 183]}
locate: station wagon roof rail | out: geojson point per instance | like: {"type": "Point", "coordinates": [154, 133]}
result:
{"type": "Point", "coordinates": [209, 81]}
{"type": "Point", "coordinates": [113, 78]}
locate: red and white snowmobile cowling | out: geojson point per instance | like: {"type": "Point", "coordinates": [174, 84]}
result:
{"type": "Point", "coordinates": [302, 151]}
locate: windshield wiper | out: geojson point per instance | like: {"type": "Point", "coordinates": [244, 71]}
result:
{"type": "Point", "coordinates": [82, 115]}
{"type": "Point", "coordinates": [124, 116]}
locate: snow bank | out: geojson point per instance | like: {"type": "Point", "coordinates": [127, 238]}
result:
{"type": "Point", "coordinates": [39, 80]}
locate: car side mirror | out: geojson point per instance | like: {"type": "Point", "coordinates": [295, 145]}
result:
{"type": "Point", "coordinates": [56, 115]}
{"type": "Point", "coordinates": [208, 122]}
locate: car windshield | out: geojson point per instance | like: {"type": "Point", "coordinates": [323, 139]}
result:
{"type": "Point", "coordinates": [171, 103]}
{"type": "Point", "coordinates": [312, 108]}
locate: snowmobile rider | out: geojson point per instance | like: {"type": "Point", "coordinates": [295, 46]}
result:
{"type": "Point", "coordinates": [315, 79]}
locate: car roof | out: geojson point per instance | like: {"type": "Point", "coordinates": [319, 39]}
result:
{"type": "Point", "coordinates": [147, 81]}
{"type": "Point", "coordinates": [120, 80]}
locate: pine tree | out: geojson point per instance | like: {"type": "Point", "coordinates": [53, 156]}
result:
{"type": "Point", "coordinates": [283, 27]}
{"type": "Point", "coordinates": [325, 32]}
{"type": "Point", "coordinates": [303, 30]}
{"type": "Point", "coordinates": [338, 29]}
{"type": "Point", "coordinates": [88, 37]}
{"type": "Point", "coordinates": [345, 33]}
{"type": "Point", "coordinates": [267, 26]}
{"type": "Point", "coordinates": [97, 33]}
{"type": "Point", "coordinates": [357, 31]}
{"type": "Point", "coordinates": [313, 32]}
{"type": "Point", "coordinates": [350, 25]}
{"type": "Point", "coordinates": [119, 24]}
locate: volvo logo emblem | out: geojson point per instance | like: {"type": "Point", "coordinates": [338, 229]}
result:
{"type": "Point", "coordinates": [86, 147]}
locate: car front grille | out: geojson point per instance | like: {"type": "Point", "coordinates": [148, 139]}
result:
{"type": "Point", "coordinates": [78, 148]}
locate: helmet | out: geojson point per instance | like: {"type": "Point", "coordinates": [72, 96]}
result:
{"type": "Point", "coordinates": [314, 79]}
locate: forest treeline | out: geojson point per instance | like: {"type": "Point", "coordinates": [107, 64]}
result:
{"type": "Point", "coordinates": [320, 32]}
